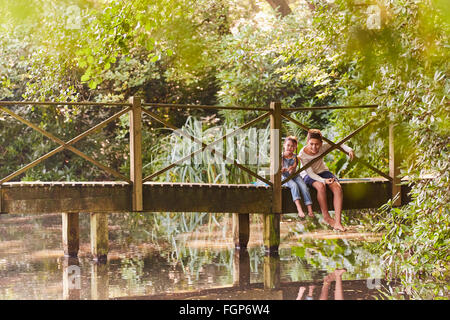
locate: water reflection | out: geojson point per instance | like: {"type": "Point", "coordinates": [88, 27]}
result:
{"type": "Point", "coordinates": [71, 278]}
{"type": "Point", "coordinates": [32, 265]}
{"type": "Point", "coordinates": [335, 276]}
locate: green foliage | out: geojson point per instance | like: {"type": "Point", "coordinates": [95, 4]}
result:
{"type": "Point", "coordinates": [184, 51]}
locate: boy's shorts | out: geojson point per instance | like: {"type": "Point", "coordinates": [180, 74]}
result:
{"type": "Point", "coordinates": [324, 174]}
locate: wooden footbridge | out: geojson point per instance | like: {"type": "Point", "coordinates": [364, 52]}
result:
{"type": "Point", "coordinates": [136, 193]}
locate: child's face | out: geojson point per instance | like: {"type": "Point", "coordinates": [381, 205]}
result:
{"type": "Point", "coordinates": [314, 145]}
{"type": "Point", "coordinates": [290, 146]}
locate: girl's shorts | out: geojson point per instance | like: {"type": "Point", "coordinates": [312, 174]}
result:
{"type": "Point", "coordinates": [324, 174]}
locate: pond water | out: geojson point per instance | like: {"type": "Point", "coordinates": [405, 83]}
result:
{"type": "Point", "coordinates": [197, 261]}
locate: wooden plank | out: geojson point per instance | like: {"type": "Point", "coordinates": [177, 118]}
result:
{"type": "Point", "coordinates": [198, 106]}
{"type": "Point", "coordinates": [39, 198]}
{"type": "Point", "coordinates": [52, 103]}
{"type": "Point", "coordinates": [136, 152]}
{"type": "Point", "coordinates": [198, 198]}
{"type": "Point", "coordinates": [371, 106]}
{"type": "Point", "coordinates": [30, 199]}
{"type": "Point", "coordinates": [70, 234]}
{"type": "Point", "coordinates": [99, 236]}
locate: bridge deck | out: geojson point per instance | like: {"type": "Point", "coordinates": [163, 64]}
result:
{"type": "Point", "coordinates": [57, 197]}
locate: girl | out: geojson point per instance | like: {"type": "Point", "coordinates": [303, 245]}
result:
{"type": "Point", "coordinates": [319, 176]}
{"type": "Point", "coordinates": [296, 184]}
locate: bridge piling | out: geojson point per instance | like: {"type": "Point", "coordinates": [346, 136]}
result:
{"type": "Point", "coordinates": [70, 234]}
{"type": "Point", "coordinates": [241, 230]}
{"type": "Point", "coordinates": [99, 236]}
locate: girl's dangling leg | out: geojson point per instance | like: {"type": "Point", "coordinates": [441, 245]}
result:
{"type": "Point", "coordinates": [305, 194]}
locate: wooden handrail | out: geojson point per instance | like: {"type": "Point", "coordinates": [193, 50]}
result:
{"type": "Point", "coordinates": [205, 146]}
{"type": "Point", "coordinates": [53, 103]}
{"type": "Point", "coordinates": [63, 145]}
{"type": "Point", "coordinates": [334, 146]}
{"type": "Point", "coordinates": [304, 127]}
{"type": "Point", "coordinates": [200, 106]}
{"type": "Point", "coordinates": [68, 145]}
{"type": "Point", "coordinates": [286, 110]}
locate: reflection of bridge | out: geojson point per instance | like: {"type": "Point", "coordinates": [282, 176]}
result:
{"type": "Point", "coordinates": [142, 194]}
{"type": "Point", "coordinates": [272, 287]}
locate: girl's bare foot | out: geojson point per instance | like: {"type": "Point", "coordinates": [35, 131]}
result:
{"type": "Point", "coordinates": [311, 214]}
{"type": "Point", "coordinates": [301, 214]}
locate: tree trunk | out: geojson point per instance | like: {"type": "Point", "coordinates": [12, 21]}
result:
{"type": "Point", "coordinates": [281, 6]}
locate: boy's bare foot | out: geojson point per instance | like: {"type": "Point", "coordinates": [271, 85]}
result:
{"type": "Point", "coordinates": [301, 214]}
{"type": "Point", "coordinates": [329, 220]}
{"type": "Point", "coordinates": [339, 272]}
{"type": "Point", "coordinates": [339, 227]}
{"type": "Point", "coordinates": [311, 214]}
{"type": "Point", "coordinates": [329, 278]}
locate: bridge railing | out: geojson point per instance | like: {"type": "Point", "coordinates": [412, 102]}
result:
{"type": "Point", "coordinates": [136, 108]}
{"type": "Point", "coordinates": [64, 145]}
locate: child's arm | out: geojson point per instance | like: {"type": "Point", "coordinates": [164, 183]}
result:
{"type": "Point", "coordinates": [292, 169]}
{"type": "Point", "coordinates": [347, 149]}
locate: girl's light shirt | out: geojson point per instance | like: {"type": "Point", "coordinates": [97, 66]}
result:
{"type": "Point", "coordinates": [318, 166]}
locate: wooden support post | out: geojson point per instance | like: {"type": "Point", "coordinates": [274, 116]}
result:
{"type": "Point", "coordinates": [70, 234]}
{"type": "Point", "coordinates": [99, 281]}
{"type": "Point", "coordinates": [241, 230]}
{"type": "Point", "coordinates": [271, 221]}
{"type": "Point", "coordinates": [136, 152]}
{"type": "Point", "coordinates": [1, 198]}
{"type": "Point", "coordinates": [71, 279]}
{"type": "Point", "coordinates": [99, 236]}
{"type": "Point", "coordinates": [394, 170]}
{"type": "Point", "coordinates": [241, 268]}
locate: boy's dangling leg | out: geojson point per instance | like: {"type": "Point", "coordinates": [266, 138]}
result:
{"type": "Point", "coordinates": [322, 199]}
{"type": "Point", "coordinates": [337, 201]}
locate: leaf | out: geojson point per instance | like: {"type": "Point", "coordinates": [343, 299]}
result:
{"type": "Point", "coordinates": [85, 77]}
{"type": "Point", "coordinates": [93, 84]}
